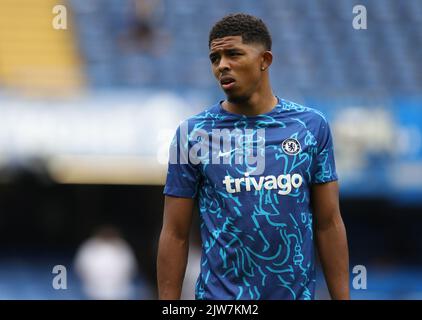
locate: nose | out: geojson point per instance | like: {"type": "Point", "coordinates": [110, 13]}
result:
{"type": "Point", "coordinates": [223, 65]}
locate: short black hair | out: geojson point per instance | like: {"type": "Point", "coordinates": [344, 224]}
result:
{"type": "Point", "coordinates": [252, 29]}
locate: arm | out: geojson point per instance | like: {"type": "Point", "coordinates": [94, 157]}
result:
{"type": "Point", "coordinates": [173, 246]}
{"type": "Point", "coordinates": [331, 241]}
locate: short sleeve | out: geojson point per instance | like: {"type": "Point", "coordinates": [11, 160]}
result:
{"type": "Point", "coordinates": [324, 167]}
{"type": "Point", "coordinates": [183, 177]}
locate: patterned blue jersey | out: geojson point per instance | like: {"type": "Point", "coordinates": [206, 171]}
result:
{"type": "Point", "coordinates": [256, 220]}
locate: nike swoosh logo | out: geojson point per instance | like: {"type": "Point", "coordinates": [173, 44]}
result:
{"type": "Point", "coordinates": [227, 153]}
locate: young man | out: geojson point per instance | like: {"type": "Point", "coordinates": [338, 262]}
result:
{"type": "Point", "coordinates": [263, 203]}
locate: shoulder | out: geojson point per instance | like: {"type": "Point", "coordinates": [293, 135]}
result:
{"type": "Point", "coordinates": [312, 118]}
{"type": "Point", "coordinates": [204, 118]}
{"type": "Point", "coordinates": [299, 110]}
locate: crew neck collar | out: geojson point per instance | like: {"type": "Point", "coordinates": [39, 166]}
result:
{"type": "Point", "coordinates": [272, 111]}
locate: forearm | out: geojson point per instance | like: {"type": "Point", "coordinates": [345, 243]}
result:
{"type": "Point", "coordinates": [333, 253]}
{"type": "Point", "coordinates": [171, 266]}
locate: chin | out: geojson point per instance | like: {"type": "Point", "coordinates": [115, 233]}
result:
{"type": "Point", "coordinates": [236, 98]}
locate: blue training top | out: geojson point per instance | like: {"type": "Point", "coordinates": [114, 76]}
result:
{"type": "Point", "coordinates": [252, 178]}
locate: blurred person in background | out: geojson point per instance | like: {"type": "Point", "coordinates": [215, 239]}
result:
{"type": "Point", "coordinates": [106, 265]}
{"type": "Point", "coordinates": [144, 13]}
{"type": "Point", "coordinates": [145, 33]}
{"type": "Point", "coordinates": [257, 244]}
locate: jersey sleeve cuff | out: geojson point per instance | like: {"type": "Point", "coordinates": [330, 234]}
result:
{"type": "Point", "coordinates": [179, 192]}
{"type": "Point", "coordinates": [325, 179]}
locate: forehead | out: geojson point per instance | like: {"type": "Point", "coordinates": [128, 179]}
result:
{"type": "Point", "coordinates": [226, 43]}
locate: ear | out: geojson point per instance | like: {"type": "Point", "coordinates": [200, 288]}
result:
{"type": "Point", "coordinates": [267, 59]}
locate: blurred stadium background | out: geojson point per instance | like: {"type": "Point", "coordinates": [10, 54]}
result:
{"type": "Point", "coordinates": [86, 115]}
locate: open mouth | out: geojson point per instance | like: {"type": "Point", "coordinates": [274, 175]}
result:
{"type": "Point", "coordinates": [227, 82]}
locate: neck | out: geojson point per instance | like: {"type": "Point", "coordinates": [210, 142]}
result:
{"type": "Point", "coordinates": [258, 103]}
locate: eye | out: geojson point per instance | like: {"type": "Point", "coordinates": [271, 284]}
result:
{"type": "Point", "coordinates": [234, 53]}
{"type": "Point", "coordinates": [213, 59]}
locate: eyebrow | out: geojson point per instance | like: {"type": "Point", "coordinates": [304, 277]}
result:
{"type": "Point", "coordinates": [229, 50]}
